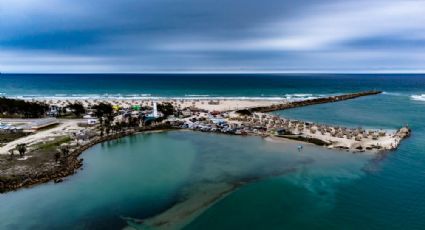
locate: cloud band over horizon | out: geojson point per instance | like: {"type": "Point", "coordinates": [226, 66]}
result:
{"type": "Point", "coordinates": [212, 36]}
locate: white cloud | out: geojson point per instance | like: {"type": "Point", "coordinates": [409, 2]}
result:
{"type": "Point", "coordinates": [312, 37]}
{"type": "Point", "coordinates": [36, 62]}
{"type": "Point", "coordinates": [325, 27]}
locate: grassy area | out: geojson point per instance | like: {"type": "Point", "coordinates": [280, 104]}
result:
{"type": "Point", "coordinates": [10, 116]}
{"type": "Point", "coordinates": [8, 137]}
{"type": "Point", "coordinates": [39, 164]}
{"type": "Point", "coordinates": [48, 127]}
{"type": "Point", "coordinates": [51, 145]}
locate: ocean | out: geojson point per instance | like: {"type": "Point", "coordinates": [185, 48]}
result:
{"type": "Point", "coordinates": [267, 185]}
{"type": "Point", "coordinates": [249, 86]}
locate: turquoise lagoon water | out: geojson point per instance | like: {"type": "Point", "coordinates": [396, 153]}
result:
{"type": "Point", "coordinates": [389, 195]}
{"type": "Point", "coordinates": [142, 177]}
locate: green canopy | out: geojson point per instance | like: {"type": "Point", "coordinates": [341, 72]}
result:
{"type": "Point", "coordinates": [136, 107]}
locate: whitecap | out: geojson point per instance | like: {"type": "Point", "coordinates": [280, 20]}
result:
{"type": "Point", "coordinates": [392, 93]}
{"type": "Point", "coordinates": [418, 97]}
{"type": "Point", "coordinates": [197, 95]}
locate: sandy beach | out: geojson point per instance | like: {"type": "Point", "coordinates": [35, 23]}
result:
{"type": "Point", "coordinates": [205, 104]}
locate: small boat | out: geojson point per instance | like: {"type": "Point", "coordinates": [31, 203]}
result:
{"type": "Point", "coordinates": [299, 147]}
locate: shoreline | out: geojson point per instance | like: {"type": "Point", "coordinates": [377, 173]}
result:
{"type": "Point", "coordinates": [235, 123]}
{"type": "Point", "coordinates": [73, 163]}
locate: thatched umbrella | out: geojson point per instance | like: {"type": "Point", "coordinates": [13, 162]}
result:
{"type": "Point", "coordinates": [358, 137]}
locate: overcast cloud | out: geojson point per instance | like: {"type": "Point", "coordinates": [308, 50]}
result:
{"type": "Point", "coordinates": [212, 36]}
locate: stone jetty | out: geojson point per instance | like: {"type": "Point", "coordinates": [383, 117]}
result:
{"type": "Point", "coordinates": [321, 100]}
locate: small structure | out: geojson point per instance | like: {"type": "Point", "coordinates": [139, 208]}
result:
{"type": "Point", "coordinates": [43, 123]}
{"type": "Point", "coordinates": [54, 111]}
{"type": "Point", "coordinates": [92, 121]}
{"type": "Point", "coordinates": [136, 107]}
{"type": "Point", "coordinates": [6, 128]}
{"type": "Point", "coordinates": [282, 131]}
{"type": "Point", "coordinates": [154, 115]}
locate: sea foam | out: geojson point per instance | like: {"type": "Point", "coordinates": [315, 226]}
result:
{"type": "Point", "coordinates": [147, 96]}
{"type": "Point", "coordinates": [392, 93]}
{"type": "Point", "coordinates": [418, 97]}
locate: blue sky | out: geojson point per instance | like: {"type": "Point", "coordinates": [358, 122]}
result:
{"type": "Point", "coordinates": [212, 36]}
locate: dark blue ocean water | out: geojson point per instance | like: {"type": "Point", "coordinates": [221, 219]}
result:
{"type": "Point", "coordinates": [140, 177]}
{"type": "Point", "coordinates": [202, 85]}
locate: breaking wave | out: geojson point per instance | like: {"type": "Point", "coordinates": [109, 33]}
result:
{"type": "Point", "coordinates": [418, 97]}
{"type": "Point", "coordinates": [392, 93]}
{"type": "Point", "coordinates": [285, 97]}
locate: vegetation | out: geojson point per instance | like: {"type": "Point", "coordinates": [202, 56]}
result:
{"type": "Point", "coordinates": [20, 108]}
{"type": "Point", "coordinates": [8, 137]}
{"type": "Point", "coordinates": [12, 153]}
{"type": "Point", "coordinates": [166, 108]}
{"type": "Point", "coordinates": [103, 109]}
{"type": "Point", "coordinates": [52, 144]}
{"type": "Point", "coordinates": [64, 149]}
{"type": "Point", "coordinates": [77, 109]}
{"type": "Point", "coordinates": [22, 149]}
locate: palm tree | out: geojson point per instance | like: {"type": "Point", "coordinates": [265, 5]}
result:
{"type": "Point", "coordinates": [101, 121]}
{"type": "Point", "coordinates": [12, 153]}
{"type": "Point", "coordinates": [22, 148]}
{"type": "Point", "coordinates": [108, 130]}
{"type": "Point", "coordinates": [77, 108]}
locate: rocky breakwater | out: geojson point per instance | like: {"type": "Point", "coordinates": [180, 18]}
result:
{"type": "Point", "coordinates": [351, 139]}
{"type": "Point", "coordinates": [322, 100]}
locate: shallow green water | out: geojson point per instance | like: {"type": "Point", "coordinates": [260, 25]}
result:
{"type": "Point", "coordinates": [143, 175]}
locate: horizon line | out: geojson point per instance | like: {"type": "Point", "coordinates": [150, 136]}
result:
{"type": "Point", "coordinates": [230, 72]}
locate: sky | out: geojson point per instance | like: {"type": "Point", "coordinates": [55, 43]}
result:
{"type": "Point", "coordinates": [145, 36]}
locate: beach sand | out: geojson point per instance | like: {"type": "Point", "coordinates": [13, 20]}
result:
{"type": "Point", "coordinates": [206, 104]}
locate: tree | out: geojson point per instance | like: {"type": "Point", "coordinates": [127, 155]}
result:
{"type": "Point", "coordinates": [103, 109]}
{"type": "Point", "coordinates": [166, 108]}
{"type": "Point", "coordinates": [14, 107]}
{"type": "Point", "coordinates": [108, 130]}
{"type": "Point", "coordinates": [101, 121]}
{"type": "Point", "coordinates": [12, 153]}
{"type": "Point", "coordinates": [77, 108]}
{"type": "Point", "coordinates": [108, 123]}
{"type": "Point", "coordinates": [22, 148]}
{"type": "Point", "coordinates": [133, 121]}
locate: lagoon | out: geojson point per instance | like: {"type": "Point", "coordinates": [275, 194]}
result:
{"type": "Point", "coordinates": [142, 176]}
